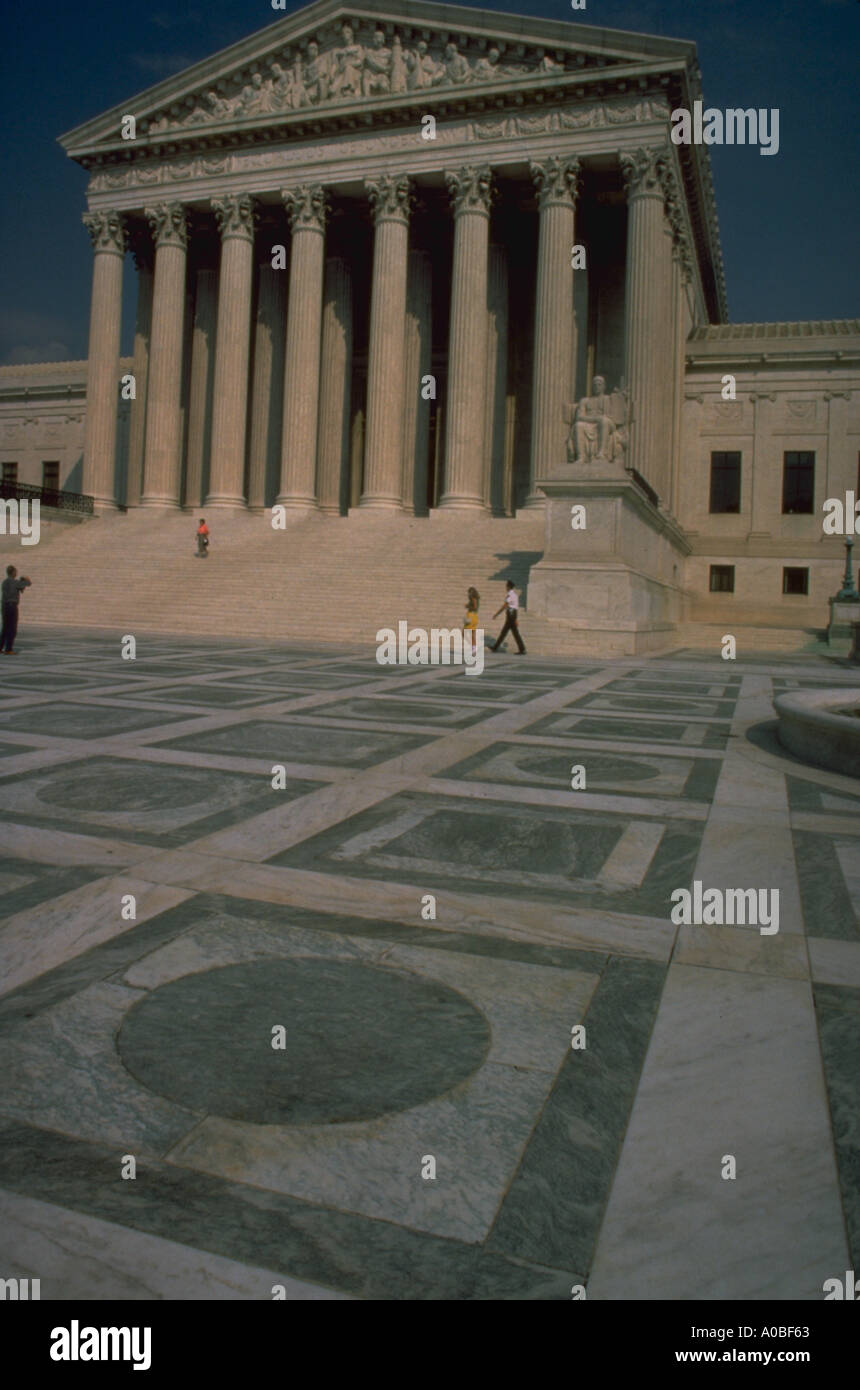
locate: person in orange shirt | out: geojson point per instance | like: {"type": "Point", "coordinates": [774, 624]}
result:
{"type": "Point", "coordinates": [202, 539]}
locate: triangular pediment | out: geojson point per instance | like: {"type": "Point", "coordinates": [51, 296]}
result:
{"type": "Point", "coordinates": [328, 59]}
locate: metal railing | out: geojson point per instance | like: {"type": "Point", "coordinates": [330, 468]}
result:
{"type": "Point", "coordinates": [49, 497]}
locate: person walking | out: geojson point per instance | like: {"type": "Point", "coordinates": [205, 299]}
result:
{"type": "Point", "coordinates": [10, 593]}
{"type": "Point", "coordinates": [510, 608]}
{"type": "Point", "coordinates": [202, 539]}
{"type": "Point", "coordinates": [470, 624]}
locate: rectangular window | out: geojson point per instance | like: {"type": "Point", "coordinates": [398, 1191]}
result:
{"type": "Point", "coordinates": [798, 482]}
{"type": "Point", "coordinates": [10, 472]}
{"type": "Point", "coordinates": [795, 581]}
{"type": "Point", "coordinates": [725, 482]}
{"type": "Point", "coordinates": [722, 579]}
{"type": "Point", "coordinates": [51, 476]}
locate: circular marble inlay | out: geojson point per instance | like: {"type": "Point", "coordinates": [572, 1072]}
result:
{"type": "Point", "coordinates": [361, 1041]}
{"type": "Point", "coordinates": [600, 767]}
{"type": "Point", "coordinates": [137, 787]}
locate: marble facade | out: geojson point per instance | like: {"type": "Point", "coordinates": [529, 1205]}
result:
{"type": "Point", "coordinates": [335, 311]}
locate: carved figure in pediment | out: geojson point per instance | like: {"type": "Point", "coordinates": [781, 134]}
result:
{"type": "Point", "coordinates": [487, 69]}
{"type": "Point", "coordinates": [377, 67]}
{"type": "Point", "coordinates": [457, 69]}
{"type": "Point", "coordinates": [314, 77]}
{"type": "Point", "coordinates": [599, 424]}
{"type": "Point", "coordinates": [253, 97]}
{"type": "Point", "coordinates": [281, 89]}
{"type": "Point", "coordinates": [218, 107]}
{"type": "Point", "coordinates": [422, 70]}
{"type": "Point", "coordinates": [348, 61]}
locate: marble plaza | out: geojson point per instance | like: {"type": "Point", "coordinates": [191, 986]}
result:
{"type": "Point", "coordinates": [416, 1032]}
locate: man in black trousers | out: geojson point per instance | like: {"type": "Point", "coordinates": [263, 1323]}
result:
{"type": "Point", "coordinates": [11, 590]}
{"type": "Point", "coordinates": [511, 605]}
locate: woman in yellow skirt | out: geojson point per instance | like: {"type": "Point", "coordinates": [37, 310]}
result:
{"type": "Point", "coordinates": [471, 622]}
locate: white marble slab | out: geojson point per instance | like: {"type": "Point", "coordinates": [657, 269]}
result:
{"type": "Point", "coordinates": [733, 1068]}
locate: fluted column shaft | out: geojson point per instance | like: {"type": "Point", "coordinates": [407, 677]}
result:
{"type": "Point", "coordinates": [335, 386]}
{"type": "Point", "coordinates": [383, 450]}
{"type": "Point", "coordinates": [143, 258]}
{"type": "Point", "coordinates": [417, 360]}
{"type": "Point", "coordinates": [470, 189]}
{"type": "Point", "coordinates": [162, 457]}
{"type": "Point", "coordinates": [497, 379]}
{"type": "Point", "coordinates": [200, 390]}
{"type": "Point", "coordinates": [649, 349]}
{"type": "Point", "coordinates": [235, 218]}
{"type": "Point", "coordinates": [557, 181]}
{"type": "Point", "coordinates": [307, 212]}
{"type": "Point", "coordinates": [108, 235]}
{"type": "Point", "coordinates": [267, 399]}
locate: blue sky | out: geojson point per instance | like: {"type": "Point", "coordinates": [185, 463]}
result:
{"type": "Point", "coordinates": [789, 222]}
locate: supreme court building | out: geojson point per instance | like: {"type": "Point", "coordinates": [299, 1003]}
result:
{"type": "Point", "coordinates": [420, 256]}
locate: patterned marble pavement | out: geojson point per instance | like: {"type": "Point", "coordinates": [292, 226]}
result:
{"type": "Point", "coordinates": [331, 1019]}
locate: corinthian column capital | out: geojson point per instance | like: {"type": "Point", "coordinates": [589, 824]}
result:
{"type": "Point", "coordinates": [108, 231]}
{"type": "Point", "coordinates": [390, 197]}
{"type": "Point", "coordinates": [471, 188]}
{"type": "Point", "coordinates": [557, 180]}
{"type": "Point", "coordinates": [169, 223]}
{"type": "Point", "coordinates": [236, 215]}
{"type": "Point", "coordinates": [644, 171]}
{"type": "Point", "coordinates": [307, 207]}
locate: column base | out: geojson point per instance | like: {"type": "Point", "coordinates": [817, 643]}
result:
{"type": "Point", "coordinates": [452, 503]}
{"type": "Point", "coordinates": [296, 504]}
{"type": "Point", "coordinates": [381, 503]}
{"type": "Point", "coordinates": [218, 501]}
{"type": "Point", "coordinates": [153, 501]}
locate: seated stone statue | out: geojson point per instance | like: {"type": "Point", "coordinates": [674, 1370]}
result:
{"type": "Point", "coordinates": [599, 425]}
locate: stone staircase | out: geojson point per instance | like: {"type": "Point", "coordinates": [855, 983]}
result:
{"type": "Point", "coordinates": [321, 579]}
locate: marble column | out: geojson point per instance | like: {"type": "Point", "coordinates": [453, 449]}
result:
{"type": "Point", "coordinates": [267, 389]}
{"type": "Point", "coordinates": [108, 235]}
{"type": "Point", "coordinates": [142, 251]}
{"type": "Point", "coordinates": [306, 209]}
{"type": "Point", "coordinates": [162, 454]}
{"type": "Point", "coordinates": [557, 180]}
{"type": "Point", "coordinates": [470, 190]}
{"type": "Point", "coordinates": [235, 216]}
{"type": "Point", "coordinates": [200, 390]}
{"type": "Point", "coordinates": [335, 387]}
{"type": "Point", "coordinates": [649, 350]}
{"type": "Point", "coordinates": [497, 380]}
{"type": "Point", "coordinates": [383, 450]}
{"type": "Point", "coordinates": [417, 359]}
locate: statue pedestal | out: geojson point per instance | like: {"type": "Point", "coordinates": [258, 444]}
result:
{"type": "Point", "coordinates": [843, 613]}
{"type": "Point", "coordinates": [619, 581]}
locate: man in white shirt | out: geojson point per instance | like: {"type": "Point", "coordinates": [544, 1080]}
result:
{"type": "Point", "coordinates": [510, 607]}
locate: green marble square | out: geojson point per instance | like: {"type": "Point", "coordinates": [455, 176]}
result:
{"type": "Point", "coordinates": [367, 1258]}
{"type": "Point", "coordinates": [150, 803]}
{"type": "Point", "coordinates": [210, 694]}
{"type": "Point", "coordinates": [620, 730]}
{"type": "Point", "coordinates": [85, 721]}
{"type": "Point", "coordinates": [403, 711]}
{"type": "Point", "coordinates": [647, 704]}
{"type": "Point", "coordinates": [510, 850]}
{"type": "Point", "coordinates": [289, 740]}
{"type": "Point", "coordinates": [633, 774]}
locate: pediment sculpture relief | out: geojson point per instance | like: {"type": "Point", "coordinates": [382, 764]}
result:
{"type": "Point", "coordinates": [349, 70]}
